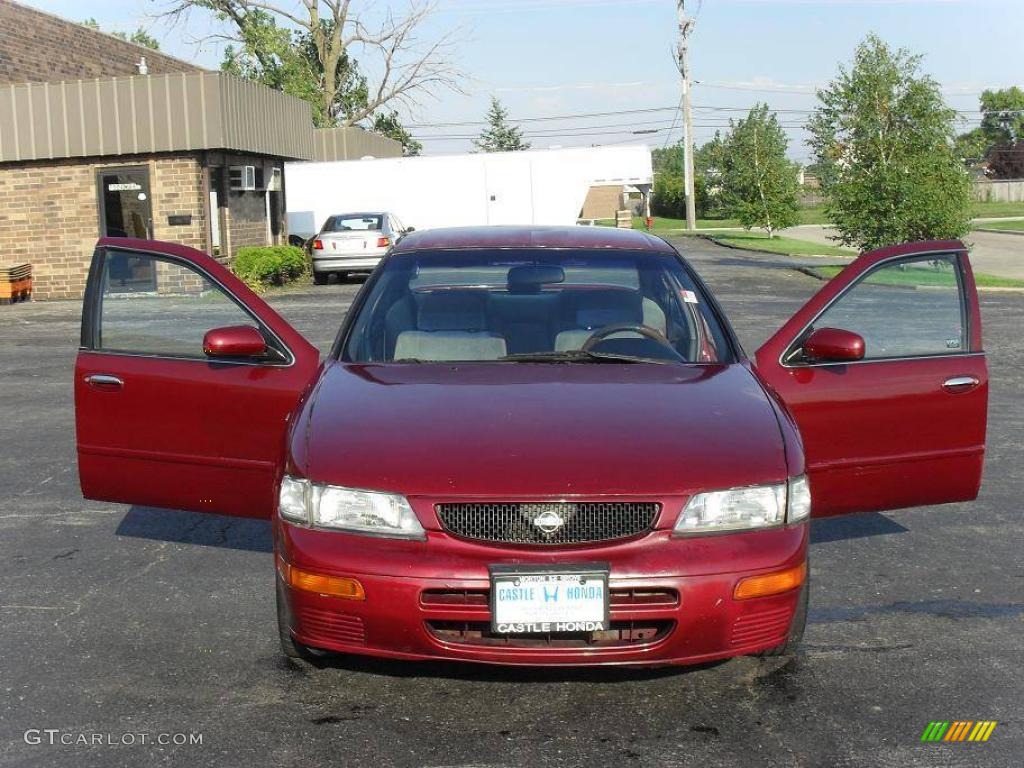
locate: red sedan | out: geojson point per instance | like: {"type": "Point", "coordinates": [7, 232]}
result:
{"type": "Point", "coordinates": [533, 445]}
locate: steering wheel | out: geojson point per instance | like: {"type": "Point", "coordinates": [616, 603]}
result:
{"type": "Point", "coordinates": [638, 328]}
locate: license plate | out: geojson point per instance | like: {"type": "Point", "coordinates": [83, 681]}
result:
{"type": "Point", "coordinates": [561, 598]}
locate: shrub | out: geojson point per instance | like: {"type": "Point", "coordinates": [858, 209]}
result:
{"type": "Point", "coordinates": [669, 200]}
{"type": "Point", "coordinates": [269, 265]}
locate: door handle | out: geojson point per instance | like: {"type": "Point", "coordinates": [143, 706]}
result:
{"type": "Point", "coordinates": [960, 384]}
{"type": "Point", "coordinates": [104, 382]}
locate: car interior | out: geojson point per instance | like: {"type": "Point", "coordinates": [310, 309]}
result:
{"type": "Point", "coordinates": [536, 309]}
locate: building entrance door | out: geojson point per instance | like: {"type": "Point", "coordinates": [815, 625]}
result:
{"type": "Point", "coordinates": [126, 211]}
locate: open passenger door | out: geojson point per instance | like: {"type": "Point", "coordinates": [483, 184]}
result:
{"type": "Point", "coordinates": [184, 383]}
{"type": "Point", "coordinates": [884, 372]}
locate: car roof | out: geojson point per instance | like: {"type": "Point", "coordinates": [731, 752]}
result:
{"type": "Point", "coordinates": [354, 214]}
{"type": "Point", "coordinates": [532, 237]}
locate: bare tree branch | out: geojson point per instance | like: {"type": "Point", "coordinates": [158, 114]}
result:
{"type": "Point", "coordinates": [405, 69]}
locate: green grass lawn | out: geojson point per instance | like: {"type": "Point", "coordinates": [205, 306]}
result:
{"type": "Point", "coordinates": [788, 246]}
{"type": "Point", "coordinates": [816, 215]}
{"type": "Point", "coordinates": [993, 210]}
{"type": "Point", "coordinates": [924, 278]}
{"type": "Point", "coordinates": [810, 215]}
{"type": "Point", "coordinates": [1015, 226]}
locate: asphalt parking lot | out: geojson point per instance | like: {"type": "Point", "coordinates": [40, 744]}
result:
{"type": "Point", "coordinates": [123, 620]}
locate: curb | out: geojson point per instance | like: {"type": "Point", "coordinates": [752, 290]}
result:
{"type": "Point", "coordinates": [1018, 232]}
{"type": "Point", "coordinates": [716, 241]}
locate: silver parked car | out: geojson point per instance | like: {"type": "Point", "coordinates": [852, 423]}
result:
{"type": "Point", "coordinates": [353, 242]}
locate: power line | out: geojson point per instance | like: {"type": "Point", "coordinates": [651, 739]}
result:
{"type": "Point", "coordinates": [648, 110]}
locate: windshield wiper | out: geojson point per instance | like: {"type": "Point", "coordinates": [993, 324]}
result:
{"type": "Point", "coordinates": [575, 356]}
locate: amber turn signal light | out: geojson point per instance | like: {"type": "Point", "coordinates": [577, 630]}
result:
{"type": "Point", "coordinates": [771, 583]}
{"type": "Point", "coordinates": [334, 586]}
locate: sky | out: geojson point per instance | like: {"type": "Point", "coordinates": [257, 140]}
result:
{"type": "Point", "coordinates": [576, 59]}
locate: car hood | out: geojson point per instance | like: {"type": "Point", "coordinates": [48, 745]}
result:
{"type": "Point", "coordinates": [521, 430]}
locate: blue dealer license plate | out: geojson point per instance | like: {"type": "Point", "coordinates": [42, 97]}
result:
{"type": "Point", "coordinates": [562, 598]}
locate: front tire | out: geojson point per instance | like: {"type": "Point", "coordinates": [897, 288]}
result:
{"type": "Point", "coordinates": [797, 627]}
{"type": "Point", "coordinates": [290, 647]}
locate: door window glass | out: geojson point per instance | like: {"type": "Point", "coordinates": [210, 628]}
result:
{"type": "Point", "coordinates": [908, 308]}
{"type": "Point", "coordinates": [125, 212]}
{"type": "Point", "coordinates": [172, 318]}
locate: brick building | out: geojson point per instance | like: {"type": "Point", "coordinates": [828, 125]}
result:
{"type": "Point", "coordinates": [110, 138]}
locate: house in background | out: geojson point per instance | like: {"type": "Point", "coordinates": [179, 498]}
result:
{"type": "Point", "coordinates": [101, 137]}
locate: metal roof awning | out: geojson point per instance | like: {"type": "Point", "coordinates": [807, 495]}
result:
{"type": "Point", "coordinates": [352, 144]}
{"type": "Point", "coordinates": [151, 113]}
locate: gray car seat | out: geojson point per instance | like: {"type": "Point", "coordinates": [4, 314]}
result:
{"type": "Point", "coordinates": [450, 326]}
{"type": "Point", "coordinates": [589, 311]}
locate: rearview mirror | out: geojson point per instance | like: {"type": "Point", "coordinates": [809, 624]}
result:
{"type": "Point", "coordinates": [234, 341]}
{"type": "Point", "coordinates": [528, 278]}
{"type": "Point", "coordinates": [834, 345]}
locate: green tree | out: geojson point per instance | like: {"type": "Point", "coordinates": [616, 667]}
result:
{"type": "Point", "coordinates": [1002, 122]}
{"type": "Point", "coordinates": [667, 162]}
{"type": "Point", "coordinates": [668, 159]}
{"type": "Point", "coordinates": [973, 146]}
{"type": "Point", "coordinates": [140, 36]}
{"type": "Point", "coordinates": [1002, 115]}
{"type": "Point", "coordinates": [389, 125]}
{"type": "Point", "coordinates": [883, 137]}
{"type": "Point", "coordinates": [708, 161]}
{"type": "Point", "coordinates": [759, 185]}
{"type": "Point", "coordinates": [500, 135]}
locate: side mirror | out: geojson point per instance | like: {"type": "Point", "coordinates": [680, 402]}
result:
{"type": "Point", "coordinates": [234, 341]}
{"type": "Point", "coordinates": [834, 345]}
{"type": "Point", "coordinates": [407, 230]}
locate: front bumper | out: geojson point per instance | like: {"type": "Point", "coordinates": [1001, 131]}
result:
{"type": "Point", "coordinates": [672, 599]}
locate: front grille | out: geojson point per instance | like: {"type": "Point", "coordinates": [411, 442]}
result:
{"type": "Point", "coordinates": [331, 626]}
{"type": "Point", "coordinates": [762, 627]}
{"type": "Point", "coordinates": [619, 633]}
{"type": "Point", "coordinates": [560, 522]}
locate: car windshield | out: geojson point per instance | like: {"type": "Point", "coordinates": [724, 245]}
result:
{"type": "Point", "coordinates": [534, 306]}
{"type": "Point", "coordinates": [365, 222]}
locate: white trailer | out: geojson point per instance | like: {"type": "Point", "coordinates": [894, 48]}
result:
{"type": "Point", "coordinates": [545, 186]}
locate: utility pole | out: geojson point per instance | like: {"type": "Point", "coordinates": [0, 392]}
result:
{"type": "Point", "coordinates": [685, 28]}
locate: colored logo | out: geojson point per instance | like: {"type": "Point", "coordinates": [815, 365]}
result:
{"type": "Point", "coordinates": [959, 730]}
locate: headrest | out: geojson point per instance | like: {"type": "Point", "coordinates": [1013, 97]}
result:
{"type": "Point", "coordinates": [452, 311]}
{"type": "Point", "coordinates": [596, 309]}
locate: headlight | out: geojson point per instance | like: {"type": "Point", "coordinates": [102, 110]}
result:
{"type": "Point", "coordinates": [737, 509]}
{"type": "Point", "coordinates": [346, 509]}
{"type": "Point", "coordinates": [292, 502]}
{"type": "Point", "coordinates": [799, 499]}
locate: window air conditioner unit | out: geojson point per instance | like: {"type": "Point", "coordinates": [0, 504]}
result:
{"type": "Point", "coordinates": [242, 178]}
